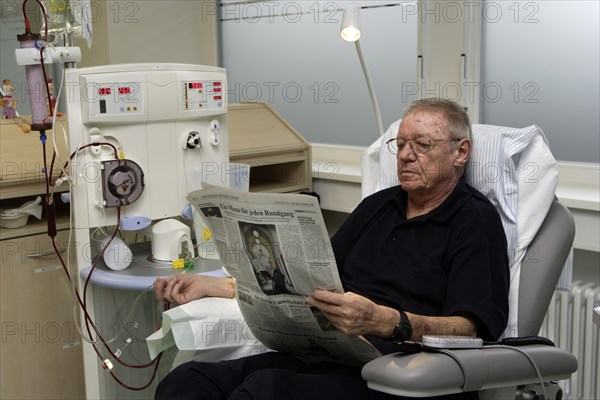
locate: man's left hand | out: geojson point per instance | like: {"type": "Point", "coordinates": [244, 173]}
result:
{"type": "Point", "coordinates": [354, 314]}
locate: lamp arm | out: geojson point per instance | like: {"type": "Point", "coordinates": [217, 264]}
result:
{"type": "Point", "coordinates": [370, 87]}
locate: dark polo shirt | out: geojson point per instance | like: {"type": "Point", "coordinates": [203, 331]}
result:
{"type": "Point", "coordinates": [452, 260]}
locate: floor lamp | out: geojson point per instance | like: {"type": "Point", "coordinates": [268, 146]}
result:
{"type": "Point", "coordinates": [350, 32]}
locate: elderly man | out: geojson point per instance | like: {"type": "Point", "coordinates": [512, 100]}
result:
{"type": "Point", "coordinates": [426, 257]}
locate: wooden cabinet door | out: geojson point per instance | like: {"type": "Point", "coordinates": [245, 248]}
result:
{"type": "Point", "coordinates": [40, 347]}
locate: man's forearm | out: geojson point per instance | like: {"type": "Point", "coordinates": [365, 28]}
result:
{"type": "Point", "coordinates": [426, 325]}
{"type": "Point", "coordinates": [446, 326]}
{"type": "Point", "coordinates": [219, 287]}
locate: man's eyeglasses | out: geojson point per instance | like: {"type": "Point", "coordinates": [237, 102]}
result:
{"type": "Point", "coordinates": [420, 145]}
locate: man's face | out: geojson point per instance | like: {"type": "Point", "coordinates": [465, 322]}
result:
{"type": "Point", "coordinates": [421, 170]}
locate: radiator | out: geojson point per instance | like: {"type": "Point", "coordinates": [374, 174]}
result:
{"type": "Point", "coordinates": [569, 324]}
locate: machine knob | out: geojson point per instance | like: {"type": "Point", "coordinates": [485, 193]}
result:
{"type": "Point", "coordinates": [193, 141]}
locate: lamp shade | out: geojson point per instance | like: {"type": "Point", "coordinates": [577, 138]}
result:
{"type": "Point", "coordinates": [350, 25]}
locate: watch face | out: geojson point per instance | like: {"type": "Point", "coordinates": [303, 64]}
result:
{"type": "Point", "coordinates": [406, 332]}
{"type": "Point", "coordinates": [402, 332]}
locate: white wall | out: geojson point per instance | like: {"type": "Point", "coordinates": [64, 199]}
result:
{"type": "Point", "coordinates": [178, 31]}
{"type": "Point", "coordinates": [540, 65]}
{"type": "Point", "coordinates": [293, 57]}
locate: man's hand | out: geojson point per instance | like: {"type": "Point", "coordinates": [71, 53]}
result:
{"type": "Point", "coordinates": [178, 289]}
{"type": "Point", "coordinates": [353, 314]}
{"type": "Point", "coordinates": [183, 288]}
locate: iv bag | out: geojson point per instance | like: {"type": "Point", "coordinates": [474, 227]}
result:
{"type": "Point", "coordinates": [68, 17]}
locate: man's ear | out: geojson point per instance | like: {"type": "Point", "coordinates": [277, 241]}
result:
{"type": "Point", "coordinates": [463, 151]}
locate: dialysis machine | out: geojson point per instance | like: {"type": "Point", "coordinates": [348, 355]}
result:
{"type": "Point", "coordinates": [141, 136]}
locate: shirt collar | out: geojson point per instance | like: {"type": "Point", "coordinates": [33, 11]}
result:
{"type": "Point", "coordinates": [460, 194]}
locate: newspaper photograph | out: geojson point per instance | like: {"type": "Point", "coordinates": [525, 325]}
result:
{"type": "Point", "coordinates": [277, 249]}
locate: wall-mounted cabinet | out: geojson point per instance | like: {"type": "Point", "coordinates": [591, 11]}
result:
{"type": "Point", "coordinates": [279, 157]}
{"type": "Point", "coordinates": [40, 355]}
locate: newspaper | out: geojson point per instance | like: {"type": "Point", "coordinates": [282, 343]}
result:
{"type": "Point", "coordinates": [277, 249]}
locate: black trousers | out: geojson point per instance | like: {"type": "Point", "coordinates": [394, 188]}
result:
{"type": "Point", "coordinates": [267, 376]}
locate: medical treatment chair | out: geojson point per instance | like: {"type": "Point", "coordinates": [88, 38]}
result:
{"type": "Point", "coordinates": [542, 232]}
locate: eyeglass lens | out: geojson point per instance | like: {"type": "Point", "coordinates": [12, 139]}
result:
{"type": "Point", "coordinates": [418, 145]}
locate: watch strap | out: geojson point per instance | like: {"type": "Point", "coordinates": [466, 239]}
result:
{"type": "Point", "coordinates": [403, 331]}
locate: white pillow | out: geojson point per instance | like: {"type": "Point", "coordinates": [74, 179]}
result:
{"type": "Point", "coordinates": [379, 165]}
{"type": "Point", "coordinates": [512, 167]}
{"type": "Point", "coordinates": [516, 171]}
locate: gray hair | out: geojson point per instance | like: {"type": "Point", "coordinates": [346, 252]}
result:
{"type": "Point", "coordinates": [459, 124]}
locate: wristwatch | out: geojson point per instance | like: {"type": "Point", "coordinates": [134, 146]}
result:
{"type": "Point", "coordinates": [403, 331]}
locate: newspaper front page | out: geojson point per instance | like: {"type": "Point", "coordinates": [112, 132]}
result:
{"type": "Point", "coordinates": [277, 249]}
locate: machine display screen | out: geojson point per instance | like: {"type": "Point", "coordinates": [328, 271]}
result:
{"type": "Point", "coordinates": [104, 91]}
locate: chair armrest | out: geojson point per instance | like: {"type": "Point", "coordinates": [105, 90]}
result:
{"type": "Point", "coordinates": [431, 374]}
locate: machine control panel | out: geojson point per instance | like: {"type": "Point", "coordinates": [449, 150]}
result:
{"type": "Point", "coordinates": [138, 97]}
{"type": "Point", "coordinates": [119, 98]}
{"type": "Point", "coordinates": [198, 95]}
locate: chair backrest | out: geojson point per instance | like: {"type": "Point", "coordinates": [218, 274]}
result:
{"type": "Point", "coordinates": [542, 266]}
{"type": "Point", "coordinates": [515, 169]}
